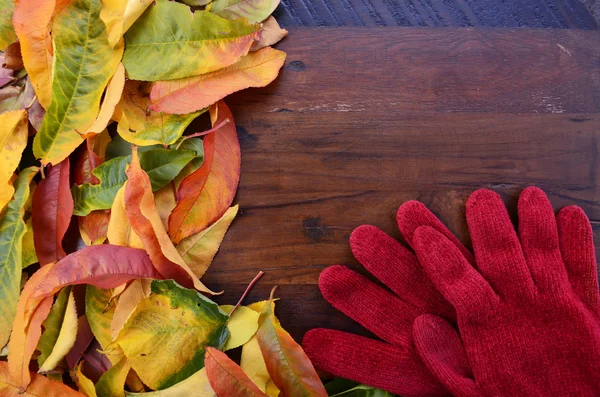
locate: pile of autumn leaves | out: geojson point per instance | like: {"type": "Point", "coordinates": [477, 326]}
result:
{"type": "Point", "coordinates": [95, 97]}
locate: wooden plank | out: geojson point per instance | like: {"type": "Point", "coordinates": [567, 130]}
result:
{"type": "Point", "coordinates": [437, 13]}
{"type": "Point", "coordinates": [356, 126]}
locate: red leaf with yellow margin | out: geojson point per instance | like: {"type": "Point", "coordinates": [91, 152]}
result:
{"type": "Point", "coordinates": [146, 223]}
{"type": "Point", "coordinates": [103, 266]}
{"type": "Point", "coordinates": [205, 195]}
{"type": "Point", "coordinates": [52, 209]}
{"type": "Point", "coordinates": [226, 377]}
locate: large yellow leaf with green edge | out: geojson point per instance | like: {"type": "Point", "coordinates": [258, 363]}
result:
{"type": "Point", "coordinates": [52, 325]}
{"type": "Point", "coordinates": [135, 292]}
{"type": "Point", "coordinates": [39, 386]}
{"type": "Point", "coordinates": [165, 337]}
{"type": "Point", "coordinates": [83, 64]}
{"type": "Point", "coordinates": [66, 337]}
{"type": "Point", "coordinates": [196, 385]}
{"type": "Point", "coordinates": [84, 384]}
{"type": "Point", "coordinates": [242, 325]}
{"type": "Point", "coordinates": [12, 229]}
{"type": "Point", "coordinates": [253, 363]}
{"type": "Point", "coordinates": [252, 10]}
{"type": "Point", "coordinates": [13, 139]}
{"type": "Point", "coordinates": [143, 128]}
{"type": "Point", "coordinates": [257, 69]}
{"type": "Point", "coordinates": [112, 96]}
{"type": "Point", "coordinates": [7, 33]}
{"type": "Point", "coordinates": [119, 229]}
{"type": "Point", "coordinates": [170, 42]}
{"type": "Point", "coordinates": [112, 382]}
{"type": "Point", "coordinates": [31, 21]}
{"type": "Point", "coordinates": [288, 365]}
{"type": "Point", "coordinates": [119, 15]}
{"type": "Point", "coordinates": [198, 250]}
{"type": "Point", "coordinates": [29, 256]}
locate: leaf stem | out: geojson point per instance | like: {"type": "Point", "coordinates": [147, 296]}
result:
{"type": "Point", "coordinates": [248, 288]}
{"type": "Point", "coordinates": [197, 134]}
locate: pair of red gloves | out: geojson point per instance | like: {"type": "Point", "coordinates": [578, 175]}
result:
{"type": "Point", "coordinates": [519, 318]}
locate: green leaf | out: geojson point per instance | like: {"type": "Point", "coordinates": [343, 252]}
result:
{"type": "Point", "coordinates": [165, 338]}
{"type": "Point", "coordinates": [112, 382]}
{"type": "Point", "coordinates": [170, 42]}
{"type": "Point", "coordinates": [12, 230]}
{"type": "Point", "coordinates": [161, 165]}
{"type": "Point", "coordinates": [52, 325]}
{"type": "Point", "coordinates": [119, 147]}
{"type": "Point", "coordinates": [29, 255]}
{"type": "Point", "coordinates": [361, 391]}
{"type": "Point", "coordinates": [83, 64]}
{"type": "Point", "coordinates": [7, 33]}
{"type": "Point", "coordinates": [99, 309]}
{"type": "Point", "coordinates": [252, 10]}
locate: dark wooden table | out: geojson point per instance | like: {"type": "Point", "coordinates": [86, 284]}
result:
{"type": "Point", "coordinates": [362, 120]}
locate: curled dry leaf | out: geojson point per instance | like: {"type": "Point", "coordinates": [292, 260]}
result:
{"type": "Point", "coordinates": [80, 40]}
{"type": "Point", "coordinates": [114, 89]}
{"type": "Point", "coordinates": [105, 266]}
{"type": "Point", "coordinates": [257, 69]}
{"type": "Point", "coordinates": [270, 34]}
{"type": "Point", "coordinates": [227, 378]}
{"type": "Point", "coordinates": [13, 135]}
{"type": "Point", "coordinates": [204, 196]}
{"type": "Point", "coordinates": [288, 365]}
{"type": "Point", "coordinates": [145, 221]}
{"type": "Point", "coordinates": [39, 386]}
{"type": "Point", "coordinates": [51, 213]}
{"type": "Point", "coordinates": [204, 42]}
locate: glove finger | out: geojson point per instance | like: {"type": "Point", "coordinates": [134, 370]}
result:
{"type": "Point", "coordinates": [413, 214]}
{"type": "Point", "coordinates": [539, 240]}
{"type": "Point", "coordinates": [452, 274]}
{"type": "Point", "coordinates": [370, 362]}
{"type": "Point", "coordinates": [399, 269]}
{"type": "Point", "coordinates": [496, 245]}
{"type": "Point", "coordinates": [440, 347]}
{"type": "Point", "coordinates": [579, 255]}
{"type": "Point", "coordinates": [369, 304]}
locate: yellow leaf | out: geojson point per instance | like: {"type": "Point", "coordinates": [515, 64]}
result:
{"type": "Point", "coordinates": [66, 337]}
{"type": "Point", "coordinates": [270, 34]}
{"type": "Point", "coordinates": [165, 200]}
{"type": "Point", "coordinates": [182, 96]}
{"type": "Point", "coordinates": [196, 385]}
{"type": "Point", "coordinates": [135, 292]}
{"type": "Point", "coordinates": [29, 256]}
{"type": "Point", "coordinates": [114, 89]}
{"type": "Point", "coordinates": [119, 229]}
{"type": "Point", "coordinates": [85, 385]}
{"type": "Point", "coordinates": [39, 386]}
{"type": "Point", "coordinates": [13, 139]}
{"type": "Point", "coordinates": [242, 325]}
{"type": "Point", "coordinates": [112, 382]}
{"type": "Point", "coordinates": [252, 361]}
{"type": "Point", "coordinates": [119, 15]}
{"type": "Point", "coordinates": [198, 250]}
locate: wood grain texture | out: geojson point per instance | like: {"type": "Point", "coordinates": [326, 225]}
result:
{"type": "Point", "coordinates": [437, 13]}
{"type": "Point", "coordinates": [356, 125]}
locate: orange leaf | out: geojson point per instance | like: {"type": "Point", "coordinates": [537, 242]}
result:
{"type": "Point", "coordinates": [182, 96]}
{"type": "Point", "coordinates": [226, 377]}
{"type": "Point", "coordinates": [39, 386]}
{"type": "Point", "coordinates": [52, 209]}
{"type": "Point", "coordinates": [103, 266]}
{"type": "Point", "coordinates": [145, 222]}
{"type": "Point", "coordinates": [31, 21]}
{"type": "Point", "coordinates": [270, 34]}
{"type": "Point", "coordinates": [289, 367]}
{"type": "Point", "coordinates": [205, 195]}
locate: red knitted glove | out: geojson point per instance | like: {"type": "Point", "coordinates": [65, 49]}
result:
{"type": "Point", "coordinates": [395, 365]}
{"type": "Point", "coordinates": [528, 317]}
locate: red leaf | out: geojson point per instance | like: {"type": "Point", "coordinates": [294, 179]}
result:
{"type": "Point", "coordinates": [52, 209]}
{"type": "Point", "coordinates": [104, 266]}
{"type": "Point", "coordinates": [82, 342]}
{"type": "Point", "coordinates": [226, 377]}
{"type": "Point", "coordinates": [205, 195]}
{"type": "Point", "coordinates": [86, 164]}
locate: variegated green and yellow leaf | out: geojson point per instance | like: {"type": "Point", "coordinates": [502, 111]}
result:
{"type": "Point", "coordinates": [7, 33]}
{"type": "Point", "coordinates": [252, 10]}
{"type": "Point", "coordinates": [119, 15]}
{"type": "Point", "coordinates": [13, 139]}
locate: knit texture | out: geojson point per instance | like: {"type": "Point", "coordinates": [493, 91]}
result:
{"type": "Point", "coordinates": [528, 316]}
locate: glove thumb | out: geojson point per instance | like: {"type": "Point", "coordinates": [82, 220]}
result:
{"type": "Point", "coordinates": [440, 347]}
